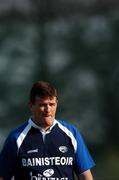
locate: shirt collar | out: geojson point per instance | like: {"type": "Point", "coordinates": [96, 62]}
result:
{"type": "Point", "coordinates": [30, 121]}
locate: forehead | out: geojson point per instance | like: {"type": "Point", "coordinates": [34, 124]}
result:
{"type": "Point", "coordinates": [46, 99]}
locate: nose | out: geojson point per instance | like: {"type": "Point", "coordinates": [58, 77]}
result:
{"type": "Point", "coordinates": [47, 108]}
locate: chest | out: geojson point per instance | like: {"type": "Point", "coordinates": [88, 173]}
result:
{"type": "Point", "coordinates": [55, 144]}
{"type": "Point", "coordinates": [37, 155]}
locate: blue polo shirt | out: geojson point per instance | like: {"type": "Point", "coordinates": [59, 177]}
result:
{"type": "Point", "coordinates": [29, 153]}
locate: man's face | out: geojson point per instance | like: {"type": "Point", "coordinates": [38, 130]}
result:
{"type": "Point", "coordinates": [43, 111]}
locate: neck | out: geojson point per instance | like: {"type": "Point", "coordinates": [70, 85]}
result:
{"type": "Point", "coordinates": [43, 126]}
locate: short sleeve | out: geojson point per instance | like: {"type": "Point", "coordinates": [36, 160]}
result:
{"type": "Point", "coordinates": [8, 158]}
{"type": "Point", "coordinates": [83, 159]}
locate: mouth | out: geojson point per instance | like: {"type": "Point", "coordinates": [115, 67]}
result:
{"type": "Point", "coordinates": [47, 115]}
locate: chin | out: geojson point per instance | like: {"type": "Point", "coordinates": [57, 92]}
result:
{"type": "Point", "coordinates": [48, 120]}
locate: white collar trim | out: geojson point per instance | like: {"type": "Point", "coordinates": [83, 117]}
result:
{"type": "Point", "coordinates": [30, 121]}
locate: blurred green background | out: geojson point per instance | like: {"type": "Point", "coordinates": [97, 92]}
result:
{"type": "Point", "coordinates": [75, 46]}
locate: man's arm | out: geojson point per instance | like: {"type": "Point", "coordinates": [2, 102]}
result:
{"type": "Point", "coordinates": [1, 178]}
{"type": "Point", "coordinates": [87, 175]}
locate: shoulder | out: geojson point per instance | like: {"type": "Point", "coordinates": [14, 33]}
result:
{"type": "Point", "coordinates": [14, 133]}
{"type": "Point", "coordinates": [10, 144]}
{"type": "Point", "coordinates": [68, 126]}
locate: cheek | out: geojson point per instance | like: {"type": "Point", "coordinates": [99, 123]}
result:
{"type": "Point", "coordinates": [41, 110]}
{"type": "Point", "coordinates": [54, 110]}
{"type": "Point", "coordinates": [36, 110]}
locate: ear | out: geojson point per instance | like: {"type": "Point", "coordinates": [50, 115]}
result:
{"type": "Point", "coordinates": [57, 101]}
{"type": "Point", "coordinates": [30, 105]}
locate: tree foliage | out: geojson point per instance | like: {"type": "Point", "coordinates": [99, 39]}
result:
{"type": "Point", "coordinates": [79, 55]}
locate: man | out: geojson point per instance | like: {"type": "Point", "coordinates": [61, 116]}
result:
{"type": "Point", "coordinates": [44, 148]}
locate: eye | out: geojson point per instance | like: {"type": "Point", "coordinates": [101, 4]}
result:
{"type": "Point", "coordinates": [42, 105]}
{"type": "Point", "coordinates": [52, 104]}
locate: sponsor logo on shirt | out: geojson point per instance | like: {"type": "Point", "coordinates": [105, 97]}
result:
{"type": "Point", "coordinates": [63, 149]}
{"type": "Point", "coordinates": [48, 172]}
{"type": "Point", "coordinates": [47, 175]}
{"type": "Point", "coordinates": [32, 151]}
